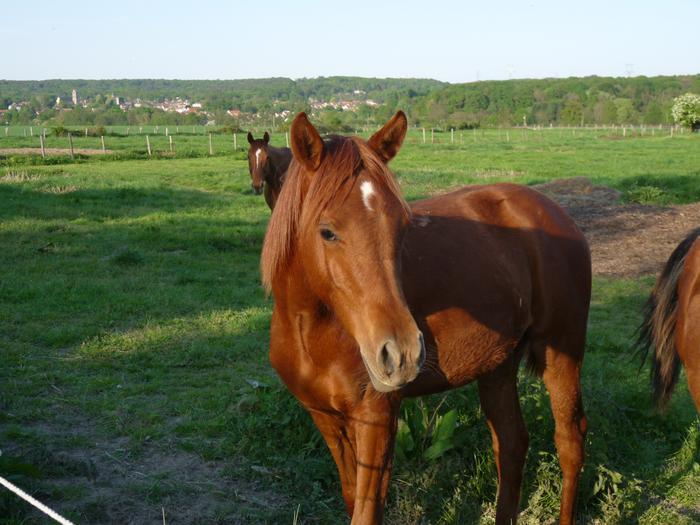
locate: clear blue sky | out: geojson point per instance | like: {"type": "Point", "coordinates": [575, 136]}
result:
{"type": "Point", "coordinates": [447, 40]}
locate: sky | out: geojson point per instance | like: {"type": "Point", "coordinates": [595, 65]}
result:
{"type": "Point", "coordinates": [448, 40]}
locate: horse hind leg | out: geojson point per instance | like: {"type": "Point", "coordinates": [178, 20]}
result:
{"type": "Point", "coordinates": [693, 375]}
{"type": "Point", "coordinates": [499, 399]}
{"type": "Point", "coordinates": [561, 371]}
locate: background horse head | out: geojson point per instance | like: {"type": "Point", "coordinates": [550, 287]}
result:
{"type": "Point", "coordinates": [268, 166]}
{"type": "Point", "coordinates": [257, 159]}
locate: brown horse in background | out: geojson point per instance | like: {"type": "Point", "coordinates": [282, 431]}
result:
{"type": "Point", "coordinates": [268, 166]}
{"type": "Point", "coordinates": [671, 322]}
{"type": "Point", "coordinates": [376, 301]}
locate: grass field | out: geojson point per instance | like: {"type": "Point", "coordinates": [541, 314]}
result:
{"type": "Point", "coordinates": [133, 338]}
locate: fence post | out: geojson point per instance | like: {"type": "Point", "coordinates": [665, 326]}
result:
{"type": "Point", "coordinates": [286, 138]}
{"type": "Point", "coordinates": [102, 138]}
{"type": "Point", "coordinates": [70, 145]}
{"type": "Point", "coordinates": [235, 143]}
{"type": "Point", "coordinates": [423, 135]}
{"type": "Point", "coordinates": [210, 150]}
{"type": "Point", "coordinates": [43, 150]}
{"type": "Point", "coordinates": [86, 132]}
{"type": "Point", "coordinates": [148, 145]}
{"type": "Point", "coordinates": [170, 138]}
{"type": "Point", "coordinates": [31, 130]}
{"type": "Point", "coordinates": [432, 136]}
{"type": "Point", "coordinates": [452, 136]}
{"type": "Point", "coordinates": [166, 132]}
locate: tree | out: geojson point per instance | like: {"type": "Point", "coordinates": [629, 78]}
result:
{"type": "Point", "coordinates": [654, 114]}
{"type": "Point", "coordinates": [573, 110]}
{"type": "Point", "coordinates": [625, 111]}
{"type": "Point", "coordinates": [686, 111]}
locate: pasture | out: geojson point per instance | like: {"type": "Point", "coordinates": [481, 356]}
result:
{"type": "Point", "coordinates": [133, 334]}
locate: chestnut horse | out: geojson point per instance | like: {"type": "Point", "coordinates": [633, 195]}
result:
{"type": "Point", "coordinates": [376, 300]}
{"type": "Point", "coordinates": [268, 166]}
{"type": "Point", "coordinates": [671, 322]}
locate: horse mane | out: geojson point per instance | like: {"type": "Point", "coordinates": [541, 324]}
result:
{"type": "Point", "coordinates": [303, 197]}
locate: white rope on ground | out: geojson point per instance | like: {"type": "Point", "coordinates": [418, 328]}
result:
{"type": "Point", "coordinates": [38, 504]}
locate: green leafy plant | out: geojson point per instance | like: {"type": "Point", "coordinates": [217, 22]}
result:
{"type": "Point", "coordinates": [425, 433]}
{"type": "Point", "coordinates": [645, 194]}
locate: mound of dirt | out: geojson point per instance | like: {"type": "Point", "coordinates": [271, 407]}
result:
{"type": "Point", "coordinates": [626, 240]}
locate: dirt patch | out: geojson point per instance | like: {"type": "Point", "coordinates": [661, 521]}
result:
{"type": "Point", "coordinates": [110, 483]}
{"type": "Point", "coordinates": [53, 151]}
{"type": "Point", "coordinates": [626, 240]}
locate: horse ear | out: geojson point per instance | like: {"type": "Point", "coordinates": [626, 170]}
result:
{"type": "Point", "coordinates": [266, 137]}
{"type": "Point", "coordinates": [307, 145]}
{"type": "Point", "coordinates": [387, 141]}
{"type": "Point", "coordinates": [250, 138]}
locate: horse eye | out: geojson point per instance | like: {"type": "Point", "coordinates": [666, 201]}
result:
{"type": "Point", "coordinates": [328, 235]}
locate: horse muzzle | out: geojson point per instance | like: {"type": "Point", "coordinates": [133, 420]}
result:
{"type": "Point", "coordinates": [395, 365]}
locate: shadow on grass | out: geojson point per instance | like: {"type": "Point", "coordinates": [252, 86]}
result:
{"type": "Point", "coordinates": [52, 201]}
{"type": "Point", "coordinates": [82, 264]}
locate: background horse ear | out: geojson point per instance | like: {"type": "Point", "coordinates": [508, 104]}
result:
{"type": "Point", "coordinates": [307, 145]}
{"type": "Point", "coordinates": [387, 141]}
{"type": "Point", "coordinates": [266, 137]}
{"type": "Point", "coordinates": [250, 138]}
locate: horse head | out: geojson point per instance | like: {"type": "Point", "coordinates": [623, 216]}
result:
{"type": "Point", "coordinates": [257, 160]}
{"type": "Point", "coordinates": [346, 219]}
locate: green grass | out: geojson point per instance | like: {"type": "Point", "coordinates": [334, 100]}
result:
{"type": "Point", "coordinates": [134, 334]}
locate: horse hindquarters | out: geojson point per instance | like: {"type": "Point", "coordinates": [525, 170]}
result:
{"type": "Point", "coordinates": [669, 327]}
{"type": "Point", "coordinates": [687, 336]}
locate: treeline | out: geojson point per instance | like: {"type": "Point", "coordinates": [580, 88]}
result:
{"type": "Point", "coordinates": [570, 101]}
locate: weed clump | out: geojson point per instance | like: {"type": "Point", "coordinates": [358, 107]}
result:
{"type": "Point", "coordinates": [127, 257]}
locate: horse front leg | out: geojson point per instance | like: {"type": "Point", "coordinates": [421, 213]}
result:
{"type": "Point", "coordinates": [341, 444]}
{"type": "Point", "coordinates": [374, 424]}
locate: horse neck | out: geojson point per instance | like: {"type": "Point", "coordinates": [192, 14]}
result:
{"type": "Point", "coordinates": [271, 174]}
{"type": "Point", "coordinates": [292, 291]}
{"type": "Point", "coordinates": [278, 160]}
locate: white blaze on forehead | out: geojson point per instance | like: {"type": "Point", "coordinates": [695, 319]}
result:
{"type": "Point", "coordinates": [258, 152]}
{"type": "Point", "coordinates": [367, 189]}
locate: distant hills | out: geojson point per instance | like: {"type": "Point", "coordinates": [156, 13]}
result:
{"type": "Point", "coordinates": [367, 101]}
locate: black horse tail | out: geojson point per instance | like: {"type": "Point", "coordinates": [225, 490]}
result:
{"type": "Point", "coordinates": [658, 328]}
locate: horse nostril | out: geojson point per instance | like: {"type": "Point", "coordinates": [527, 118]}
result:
{"type": "Point", "coordinates": [386, 360]}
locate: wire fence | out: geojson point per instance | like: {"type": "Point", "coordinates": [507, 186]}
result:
{"type": "Point", "coordinates": [192, 141]}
